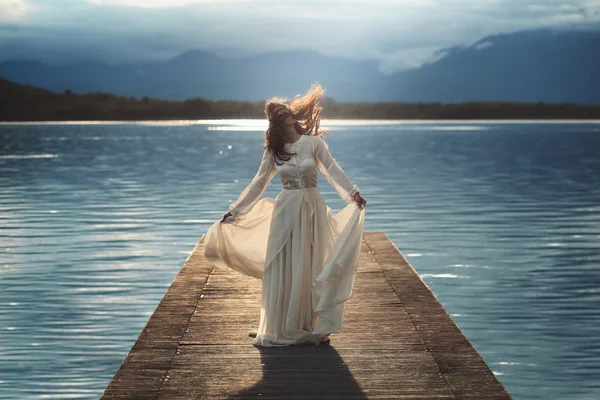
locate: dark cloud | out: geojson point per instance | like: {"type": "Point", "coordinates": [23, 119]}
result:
{"type": "Point", "coordinates": [399, 34]}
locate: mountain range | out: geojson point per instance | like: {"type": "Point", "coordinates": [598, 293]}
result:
{"type": "Point", "coordinates": [529, 66]}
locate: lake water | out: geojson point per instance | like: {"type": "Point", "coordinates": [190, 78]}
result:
{"type": "Point", "coordinates": [502, 220]}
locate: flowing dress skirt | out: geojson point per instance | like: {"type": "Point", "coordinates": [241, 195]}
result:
{"type": "Point", "coordinates": [306, 256]}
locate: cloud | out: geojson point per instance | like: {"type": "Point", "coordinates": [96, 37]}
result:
{"type": "Point", "coordinates": [482, 45]}
{"type": "Point", "coordinates": [408, 58]}
{"type": "Point", "coordinates": [12, 10]}
{"type": "Point", "coordinates": [398, 34]}
{"type": "Point", "coordinates": [147, 3]}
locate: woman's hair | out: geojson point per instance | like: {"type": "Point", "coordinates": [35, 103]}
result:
{"type": "Point", "coordinates": [304, 109]}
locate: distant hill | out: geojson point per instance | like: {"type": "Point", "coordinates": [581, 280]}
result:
{"type": "Point", "coordinates": [528, 66]}
{"type": "Point", "coordinates": [200, 74]}
{"type": "Point", "coordinates": [525, 66]}
{"type": "Point", "coordinates": [27, 103]}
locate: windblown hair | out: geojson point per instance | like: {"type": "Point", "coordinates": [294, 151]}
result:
{"type": "Point", "coordinates": [304, 109]}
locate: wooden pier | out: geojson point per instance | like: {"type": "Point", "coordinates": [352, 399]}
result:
{"type": "Point", "coordinates": [398, 342]}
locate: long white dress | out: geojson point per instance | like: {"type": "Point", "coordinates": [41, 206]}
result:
{"type": "Point", "coordinates": [305, 254]}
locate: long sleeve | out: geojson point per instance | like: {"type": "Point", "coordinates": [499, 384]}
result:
{"type": "Point", "coordinates": [332, 171]}
{"type": "Point", "coordinates": [252, 193]}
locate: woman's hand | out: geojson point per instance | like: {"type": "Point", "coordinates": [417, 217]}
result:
{"type": "Point", "coordinates": [360, 201]}
{"type": "Point", "coordinates": [225, 216]}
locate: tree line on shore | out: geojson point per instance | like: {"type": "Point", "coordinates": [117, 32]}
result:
{"type": "Point", "coordinates": [28, 103]}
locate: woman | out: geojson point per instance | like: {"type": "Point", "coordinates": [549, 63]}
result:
{"type": "Point", "coordinates": [305, 254]}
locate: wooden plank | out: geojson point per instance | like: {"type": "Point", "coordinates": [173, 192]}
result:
{"type": "Point", "coordinates": [398, 342]}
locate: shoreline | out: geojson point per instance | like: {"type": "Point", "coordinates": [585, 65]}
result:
{"type": "Point", "coordinates": [332, 121]}
{"type": "Point", "coordinates": [24, 103]}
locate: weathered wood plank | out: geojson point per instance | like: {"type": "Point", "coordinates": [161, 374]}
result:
{"type": "Point", "coordinates": [398, 342]}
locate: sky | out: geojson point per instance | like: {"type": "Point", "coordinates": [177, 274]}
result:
{"type": "Point", "coordinates": [397, 34]}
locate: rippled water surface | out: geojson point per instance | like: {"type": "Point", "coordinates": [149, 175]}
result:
{"type": "Point", "coordinates": [502, 220]}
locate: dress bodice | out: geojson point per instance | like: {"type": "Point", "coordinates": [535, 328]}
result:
{"type": "Point", "coordinates": [310, 154]}
{"type": "Point", "coordinates": [300, 171]}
